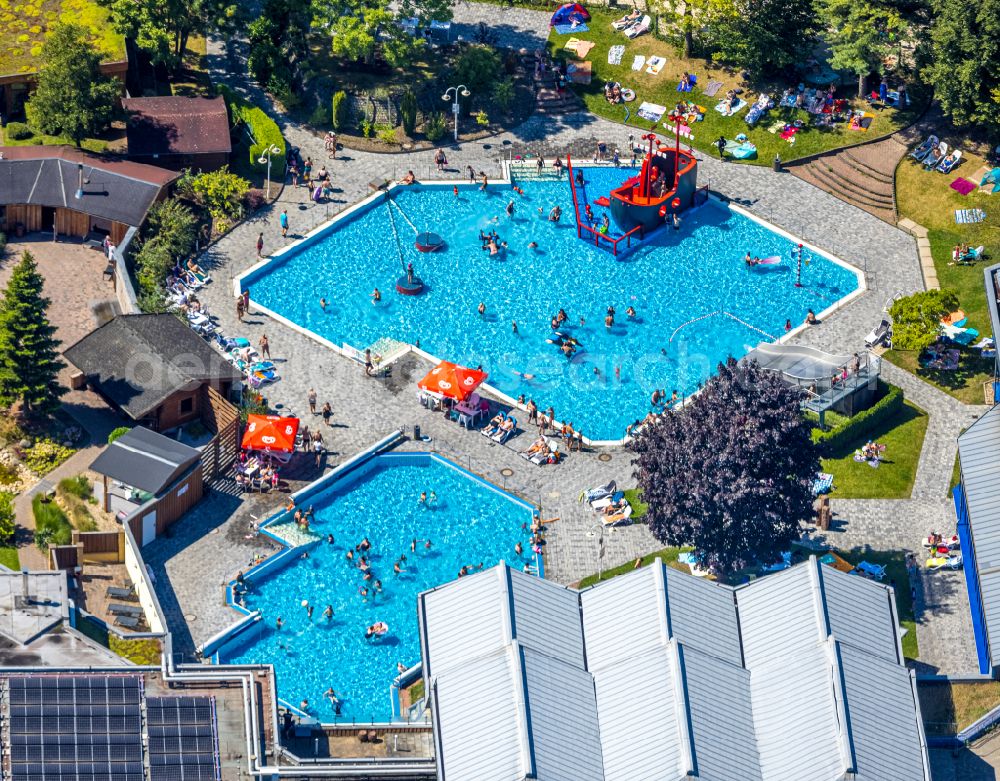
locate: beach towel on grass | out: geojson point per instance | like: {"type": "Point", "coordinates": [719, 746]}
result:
{"type": "Point", "coordinates": [969, 216]}
{"type": "Point", "coordinates": [651, 111]}
{"type": "Point", "coordinates": [712, 88]}
{"type": "Point", "coordinates": [823, 483]}
{"type": "Point", "coordinates": [580, 48]}
{"type": "Point", "coordinates": [962, 186]}
{"type": "Point", "coordinates": [638, 62]}
{"type": "Point", "coordinates": [861, 122]}
{"type": "Point", "coordinates": [566, 29]}
{"type": "Point", "coordinates": [615, 55]}
{"type": "Point", "coordinates": [738, 106]}
{"type": "Point", "coordinates": [655, 64]}
{"type": "Point", "coordinates": [579, 72]}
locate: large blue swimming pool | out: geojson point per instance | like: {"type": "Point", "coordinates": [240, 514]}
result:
{"type": "Point", "coordinates": [469, 524]}
{"type": "Point", "coordinates": [671, 279]}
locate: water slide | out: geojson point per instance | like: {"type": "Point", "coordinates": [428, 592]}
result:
{"type": "Point", "coordinates": [799, 363]}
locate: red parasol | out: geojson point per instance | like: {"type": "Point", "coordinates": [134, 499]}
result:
{"type": "Point", "coordinates": [270, 432]}
{"type": "Point", "coordinates": [454, 382]}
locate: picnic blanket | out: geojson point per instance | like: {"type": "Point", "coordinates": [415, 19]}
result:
{"type": "Point", "coordinates": [579, 47]}
{"type": "Point", "coordinates": [638, 62]}
{"type": "Point", "coordinates": [969, 216]}
{"type": "Point", "coordinates": [651, 111]}
{"type": "Point", "coordinates": [789, 132]}
{"type": "Point", "coordinates": [655, 64]}
{"type": "Point", "coordinates": [962, 186]}
{"type": "Point", "coordinates": [579, 72]}
{"type": "Point", "coordinates": [712, 88]}
{"type": "Point", "coordinates": [566, 29]}
{"type": "Point", "coordinates": [823, 483]}
{"type": "Point", "coordinates": [615, 55]}
{"type": "Point", "coordinates": [739, 105]}
{"type": "Point", "coordinates": [861, 121]}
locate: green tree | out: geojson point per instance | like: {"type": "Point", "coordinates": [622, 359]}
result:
{"type": "Point", "coordinates": [221, 192]}
{"type": "Point", "coordinates": [175, 224]}
{"type": "Point", "coordinates": [732, 473]}
{"type": "Point", "coordinates": [864, 33]}
{"type": "Point", "coordinates": [118, 432]}
{"type": "Point", "coordinates": [503, 94]}
{"type": "Point", "coordinates": [340, 111]}
{"type": "Point", "coordinates": [408, 112]}
{"type": "Point", "coordinates": [427, 11]}
{"type": "Point", "coordinates": [479, 68]}
{"type": "Point", "coordinates": [689, 19]}
{"type": "Point", "coordinates": [762, 36]}
{"type": "Point", "coordinates": [7, 524]}
{"type": "Point", "coordinates": [916, 319]}
{"type": "Point", "coordinates": [29, 351]}
{"type": "Point", "coordinates": [162, 28]}
{"type": "Point", "coordinates": [72, 98]}
{"type": "Point", "coordinates": [357, 34]}
{"type": "Point", "coordinates": [153, 262]}
{"type": "Point", "coordinates": [965, 61]}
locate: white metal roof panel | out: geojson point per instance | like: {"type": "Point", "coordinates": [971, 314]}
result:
{"type": "Point", "coordinates": [638, 716]}
{"type": "Point", "coordinates": [562, 716]}
{"type": "Point", "coordinates": [979, 453]}
{"type": "Point", "coordinates": [860, 613]}
{"type": "Point", "coordinates": [624, 617]}
{"type": "Point", "coordinates": [703, 615]}
{"type": "Point", "coordinates": [718, 698]}
{"type": "Point", "coordinates": [547, 617]}
{"type": "Point", "coordinates": [884, 715]}
{"type": "Point", "coordinates": [465, 619]}
{"type": "Point", "coordinates": [779, 615]}
{"type": "Point", "coordinates": [482, 736]}
{"type": "Point", "coordinates": [795, 718]}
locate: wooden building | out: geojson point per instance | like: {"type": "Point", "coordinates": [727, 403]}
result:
{"type": "Point", "coordinates": [154, 369]}
{"type": "Point", "coordinates": [73, 193]}
{"type": "Point", "coordinates": [178, 132]}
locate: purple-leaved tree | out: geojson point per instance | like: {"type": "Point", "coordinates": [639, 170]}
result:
{"type": "Point", "coordinates": [732, 473]}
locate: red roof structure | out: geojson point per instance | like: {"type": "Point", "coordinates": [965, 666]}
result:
{"type": "Point", "coordinates": [177, 126]}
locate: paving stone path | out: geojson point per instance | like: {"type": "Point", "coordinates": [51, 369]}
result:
{"type": "Point", "coordinates": [366, 409]}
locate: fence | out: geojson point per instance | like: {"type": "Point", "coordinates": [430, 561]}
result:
{"type": "Point", "coordinates": [222, 419]}
{"type": "Point", "coordinates": [101, 546]}
{"type": "Point", "coordinates": [124, 290]}
{"type": "Point", "coordinates": [65, 557]}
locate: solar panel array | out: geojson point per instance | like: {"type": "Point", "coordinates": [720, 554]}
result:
{"type": "Point", "coordinates": [75, 728]}
{"type": "Point", "coordinates": [182, 739]}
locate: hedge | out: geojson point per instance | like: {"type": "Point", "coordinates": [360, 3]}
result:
{"type": "Point", "coordinates": [265, 131]}
{"type": "Point", "coordinates": [885, 408]}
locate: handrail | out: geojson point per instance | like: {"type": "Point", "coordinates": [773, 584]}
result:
{"type": "Point", "coordinates": [580, 227]}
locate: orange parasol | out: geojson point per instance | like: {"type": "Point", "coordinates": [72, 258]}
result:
{"type": "Point", "coordinates": [270, 432]}
{"type": "Point", "coordinates": [454, 382]}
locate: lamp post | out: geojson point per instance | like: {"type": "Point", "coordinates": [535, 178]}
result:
{"type": "Point", "coordinates": [462, 90]}
{"type": "Point", "coordinates": [266, 158]}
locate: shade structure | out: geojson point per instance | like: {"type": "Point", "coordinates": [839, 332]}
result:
{"type": "Point", "coordinates": [452, 381]}
{"type": "Point", "coordinates": [270, 432]}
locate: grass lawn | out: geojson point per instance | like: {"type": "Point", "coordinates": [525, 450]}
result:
{"type": "Point", "coordinates": [956, 477]}
{"type": "Point", "coordinates": [9, 557]}
{"type": "Point", "coordinates": [948, 708]}
{"type": "Point", "coordinates": [668, 555]}
{"type": "Point", "coordinates": [903, 436]}
{"type": "Point", "coordinates": [97, 145]}
{"type": "Point", "coordinates": [926, 198]}
{"type": "Point", "coordinates": [638, 506]}
{"type": "Point", "coordinates": [662, 89]}
{"type": "Point", "coordinates": [24, 27]}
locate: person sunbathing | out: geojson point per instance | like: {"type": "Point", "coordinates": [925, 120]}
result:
{"type": "Point", "coordinates": [615, 507]}
{"type": "Point", "coordinates": [410, 178]}
{"type": "Point", "coordinates": [494, 423]}
{"type": "Point", "coordinates": [537, 447]}
{"type": "Point", "coordinates": [628, 20]}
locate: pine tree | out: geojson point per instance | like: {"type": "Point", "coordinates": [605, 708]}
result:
{"type": "Point", "coordinates": [29, 351]}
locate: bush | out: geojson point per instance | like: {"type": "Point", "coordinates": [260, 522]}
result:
{"type": "Point", "coordinates": [78, 486]}
{"type": "Point", "coordinates": [265, 131]}
{"type": "Point", "coordinates": [8, 474]}
{"type": "Point", "coordinates": [18, 131]}
{"type": "Point", "coordinates": [503, 94]}
{"type": "Point", "coordinates": [45, 455]}
{"type": "Point", "coordinates": [51, 524]}
{"type": "Point", "coordinates": [118, 432]}
{"type": "Point", "coordinates": [340, 111]}
{"type": "Point", "coordinates": [386, 133]}
{"type": "Point", "coordinates": [367, 128]}
{"type": "Point", "coordinates": [408, 112]}
{"type": "Point", "coordinates": [254, 199]}
{"type": "Point", "coordinates": [221, 192]}
{"type": "Point", "coordinates": [320, 117]}
{"type": "Point", "coordinates": [482, 118]}
{"type": "Point", "coordinates": [434, 127]}
{"type": "Point", "coordinates": [7, 525]}
{"type": "Point", "coordinates": [142, 651]}
{"type": "Point", "coordinates": [855, 428]}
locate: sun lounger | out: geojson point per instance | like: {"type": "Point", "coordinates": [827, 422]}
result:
{"type": "Point", "coordinates": [117, 592]}
{"type": "Point", "coordinates": [638, 29]}
{"type": "Point", "coordinates": [879, 334]}
{"type": "Point", "coordinates": [604, 501]}
{"type": "Point", "coordinates": [621, 519]}
{"type": "Point", "coordinates": [129, 622]}
{"type": "Point", "coordinates": [949, 162]}
{"type": "Point", "coordinates": [942, 562]}
{"type": "Point", "coordinates": [876, 571]}
{"type": "Point", "coordinates": [626, 21]}
{"type": "Point", "coordinates": [925, 148]}
{"type": "Point", "coordinates": [507, 428]}
{"type": "Point", "coordinates": [936, 155]}
{"type": "Point", "coordinates": [600, 492]}
{"type": "Point", "coordinates": [117, 609]}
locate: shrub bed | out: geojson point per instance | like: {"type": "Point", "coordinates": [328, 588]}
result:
{"type": "Point", "coordinates": [890, 404]}
{"type": "Point", "coordinates": [52, 527]}
{"type": "Point", "coordinates": [265, 131]}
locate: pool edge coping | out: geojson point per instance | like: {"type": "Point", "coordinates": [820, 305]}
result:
{"type": "Point", "coordinates": [354, 354]}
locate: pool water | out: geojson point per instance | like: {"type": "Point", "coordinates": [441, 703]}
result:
{"type": "Point", "coordinates": [470, 523]}
{"type": "Point", "coordinates": [670, 279]}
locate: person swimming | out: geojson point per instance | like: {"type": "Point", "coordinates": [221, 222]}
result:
{"type": "Point", "coordinates": [376, 296]}
{"type": "Point", "coordinates": [322, 304]}
{"type": "Point", "coordinates": [630, 313]}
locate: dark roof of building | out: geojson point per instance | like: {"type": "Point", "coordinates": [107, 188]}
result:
{"type": "Point", "coordinates": [139, 361]}
{"type": "Point", "coordinates": [177, 126]}
{"type": "Point", "coordinates": [145, 460]}
{"type": "Point", "coordinates": [113, 189]}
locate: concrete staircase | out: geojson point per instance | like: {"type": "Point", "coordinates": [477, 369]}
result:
{"type": "Point", "coordinates": [547, 99]}
{"type": "Point", "coordinates": [861, 176]}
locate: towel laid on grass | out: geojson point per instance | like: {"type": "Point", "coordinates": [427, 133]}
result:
{"type": "Point", "coordinates": [579, 47]}
{"type": "Point", "coordinates": [651, 111]}
{"type": "Point", "coordinates": [962, 186]}
{"type": "Point", "coordinates": [579, 72]}
{"type": "Point", "coordinates": [615, 55]}
{"type": "Point", "coordinates": [655, 64]}
{"type": "Point", "coordinates": [739, 105]}
{"type": "Point", "coordinates": [566, 29]}
{"type": "Point", "coordinates": [638, 62]}
{"type": "Point", "coordinates": [823, 483]}
{"type": "Point", "coordinates": [712, 88]}
{"type": "Point", "coordinates": [969, 216]}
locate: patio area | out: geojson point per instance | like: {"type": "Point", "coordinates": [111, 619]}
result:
{"type": "Point", "coordinates": [92, 593]}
